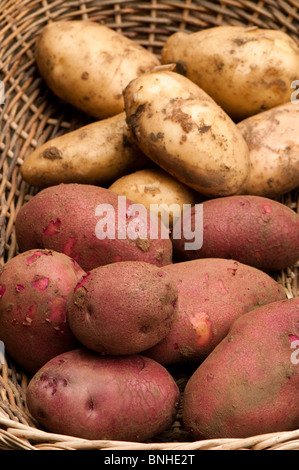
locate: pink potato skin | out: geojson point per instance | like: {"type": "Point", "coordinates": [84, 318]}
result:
{"type": "Point", "coordinates": [212, 294]}
{"type": "Point", "coordinates": [34, 287]}
{"type": "Point", "coordinates": [123, 308]}
{"type": "Point", "coordinates": [83, 394]}
{"type": "Point", "coordinates": [254, 230]}
{"type": "Point", "coordinates": [63, 218]}
{"type": "Point", "coordinates": [249, 384]}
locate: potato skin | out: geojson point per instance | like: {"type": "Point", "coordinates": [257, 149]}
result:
{"type": "Point", "coordinates": [251, 229]}
{"type": "Point", "coordinates": [151, 186]}
{"type": "Point", "coordinates": [123, 308]}
{"type": "Point", "coordinates": [83, 394]}
{"type": "Point", "coordinates": [88, 65]}
{"type": "Point", "coordinates": [249, 384]}
{"type": "Point", "coordinates": [34, 287]}
{"type": "Point", "coordinates": [97, 153]}
{"type": "Point", "coordinates": [273, 141]}
{"type": "Point", "coordinates": [212, 294]}
{"type": "Point", "coordinates": [245, 70]}
{"type": "Point", "coordinates": [63, 218]}
{"type": "Point", "coordinates": [178, 126]}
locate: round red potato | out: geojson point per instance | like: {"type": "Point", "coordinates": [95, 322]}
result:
{"type": "Point", "coordinates": [123, 308]}
{"type": "Point", "coordinates": [34, 287]}
{"type": "Point", "coordinates": [83, 394]}
{"type": "Point", "coordinates": [93, 225]}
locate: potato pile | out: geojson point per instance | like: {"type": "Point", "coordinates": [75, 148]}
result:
{"type": "Point", "coordinates": [112, 285]}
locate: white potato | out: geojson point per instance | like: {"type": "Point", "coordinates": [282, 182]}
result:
{"type": "Point", "coordinates": [88, 64]}
{"type": "Point", "coordinates": [158, 191]}
{"type": "Point", "coordinates": [273, 141]}
{"type": "Point", "coordinates": [182, 129]}
{"type": "Point", "coordinates": [97, 153]}
{"type": "Point", "coordinates": [245, 70]}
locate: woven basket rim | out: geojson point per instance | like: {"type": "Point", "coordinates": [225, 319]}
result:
{"type": "Point", "coordinates": [286, 440]}
{"type": "Point", "coordinates": [30, 116]}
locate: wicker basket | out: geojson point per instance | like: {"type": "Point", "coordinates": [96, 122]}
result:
{"type": "Point", "coordinates": [31, 115]}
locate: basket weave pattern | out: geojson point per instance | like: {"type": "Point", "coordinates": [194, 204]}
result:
{"type": "Point", "coordinates": [31, 115]}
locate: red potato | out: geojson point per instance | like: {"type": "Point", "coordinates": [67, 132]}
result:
{"type": "Point", "coordinates": [123, 308]}
{"type": "Point", "coordinates": [212, 294]}
{"type": "Point", "coordinates": [82, 221]}
{"type": "Point", "coordinates": [83, 394]}
{"type": "Point", "coordinates": [34, 287]}
{"type": "Point", "coordinates": [251, 229]}
{"type": "Point", "coordinates": [249, 384]}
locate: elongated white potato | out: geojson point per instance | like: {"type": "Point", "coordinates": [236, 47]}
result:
{"type": "Point", "coordinates": [97, 153]}
{"type": "Point", "coordinates": [182, 129]}
{"type": "Point", "coordinates": [245, 70]}
{"type": "Point", "coordinates": [88, 64]}
{"type": "Point", "coordinates": [273, 141]}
